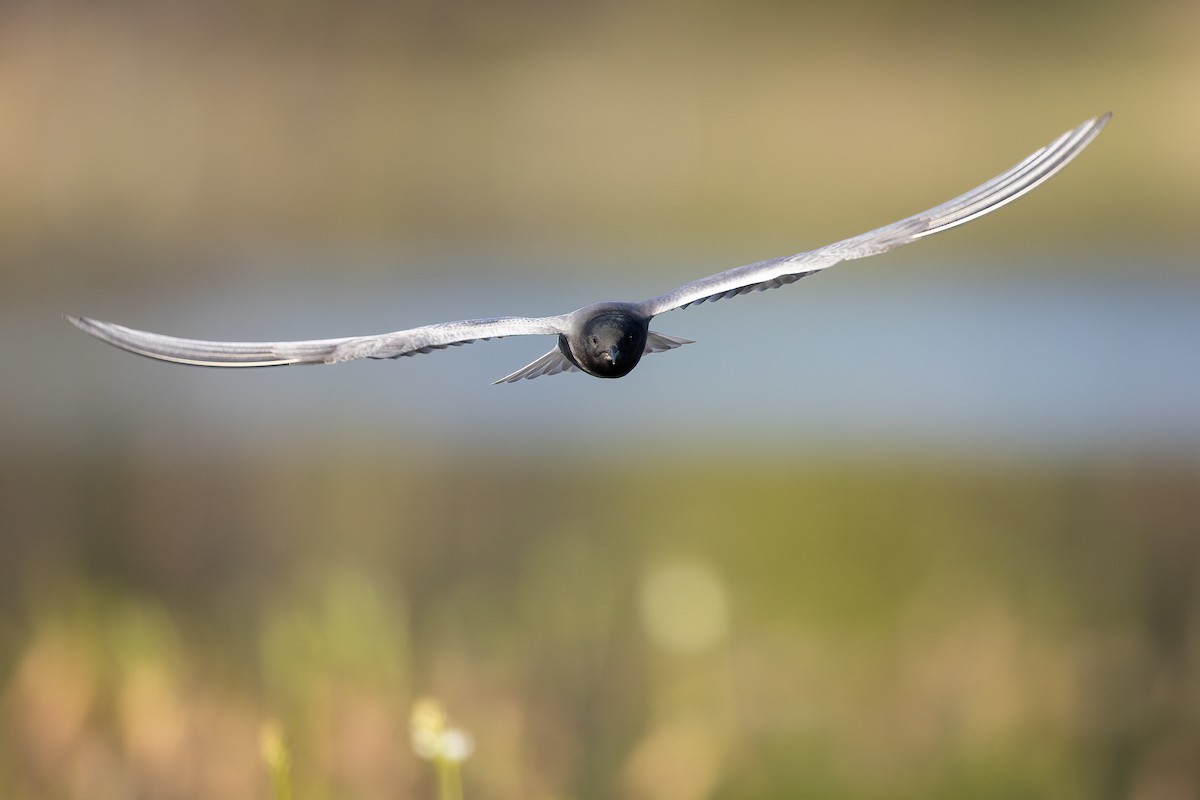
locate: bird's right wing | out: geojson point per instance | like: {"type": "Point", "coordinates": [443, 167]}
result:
{"type": "Point", "coordinates": [197, 352]}
{"type": "Point", "coordinates": [984, 199]}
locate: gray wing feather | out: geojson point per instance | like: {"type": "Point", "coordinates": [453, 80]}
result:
{"type": "Point", "coordinates": [661, 342]}
{"type": "Point", "coordinates": [202, 353]}
{"type": "Point", "coordinates": [552, 363]}
{"type": "Point", "coordinates": [777, 272]}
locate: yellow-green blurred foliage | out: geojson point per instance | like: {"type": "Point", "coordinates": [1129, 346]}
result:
{"type": "Point", "coordinates": [724, 629]}
{"type": "Point", "coordinates": [138, 130]}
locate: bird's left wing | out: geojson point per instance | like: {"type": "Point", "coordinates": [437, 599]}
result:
{"type": "Point", "coordinates": [410, 342]}
{"type": "Point", "coordinates": [984, 199]}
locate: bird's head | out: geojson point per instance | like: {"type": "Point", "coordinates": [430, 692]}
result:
{"type": "Point", "coordinates": [611, 345]}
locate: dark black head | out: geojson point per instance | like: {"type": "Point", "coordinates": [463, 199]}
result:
{"type": "Point", "coordinates": [611, 344]}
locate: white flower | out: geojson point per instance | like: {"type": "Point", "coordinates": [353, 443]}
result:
{"type": "Point", "coordinates": [433, 739]}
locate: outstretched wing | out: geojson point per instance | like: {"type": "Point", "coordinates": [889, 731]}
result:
{"type": "Point", "coordinates": [317, 351]}
{"type": "Point", "coordinates": [982, 200]}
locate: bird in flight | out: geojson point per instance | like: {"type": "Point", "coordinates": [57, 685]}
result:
{"type": "Point", "coordinates": [608, 340]}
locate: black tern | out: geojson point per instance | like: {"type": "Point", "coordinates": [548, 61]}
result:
{"type": "Point", "coordinates": [608, 340]}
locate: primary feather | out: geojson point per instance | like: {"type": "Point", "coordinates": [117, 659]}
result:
{"type": "Point", "coordinates": [984, 199]}
{"type": "Point", "coordinates": [198, 352]}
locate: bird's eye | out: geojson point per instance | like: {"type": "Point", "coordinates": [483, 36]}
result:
{"type": "Point", "coordinates": [595, 340]}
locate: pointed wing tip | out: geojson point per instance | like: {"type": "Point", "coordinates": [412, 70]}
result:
{"type": "Point", "coordinates": [1096, 124]}
{"type": "Point", "coordinates": [517, 377]}
{"type": "Point", "coordinates": [1090, 129]}
{"type": "Point", "coordinates": [514, 377]}
{"type": "Point", "coordinates": [92, 327]}
{"type": "Point", "coordinates": [95, 327]}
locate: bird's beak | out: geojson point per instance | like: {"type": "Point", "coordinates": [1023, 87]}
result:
{"type": "Point", "coordinates": [613, 353]}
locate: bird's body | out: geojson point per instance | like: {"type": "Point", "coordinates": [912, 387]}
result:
{"type": "Point", "coordinates": [608, 340]}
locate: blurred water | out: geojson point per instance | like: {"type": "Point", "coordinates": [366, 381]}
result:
{"type": "Point", "coordinates": [906, 358]}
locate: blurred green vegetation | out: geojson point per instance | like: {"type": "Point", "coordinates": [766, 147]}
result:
{"type": "Point", "coordinates": [137, 135]}
{"type": "Point", "coordinates": [885, 631]}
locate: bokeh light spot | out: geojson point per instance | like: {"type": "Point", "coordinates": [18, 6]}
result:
{"type": "Point", "coordinates": [684, 607]}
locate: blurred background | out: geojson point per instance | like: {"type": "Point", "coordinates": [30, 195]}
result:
{"type": "Point", "coordinates": [925, 526]}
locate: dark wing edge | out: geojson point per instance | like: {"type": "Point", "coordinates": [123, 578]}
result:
{"type": "Point", "coordinates": [999, 191]}
{"type": "Point", "coordinates": [202, 353]}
